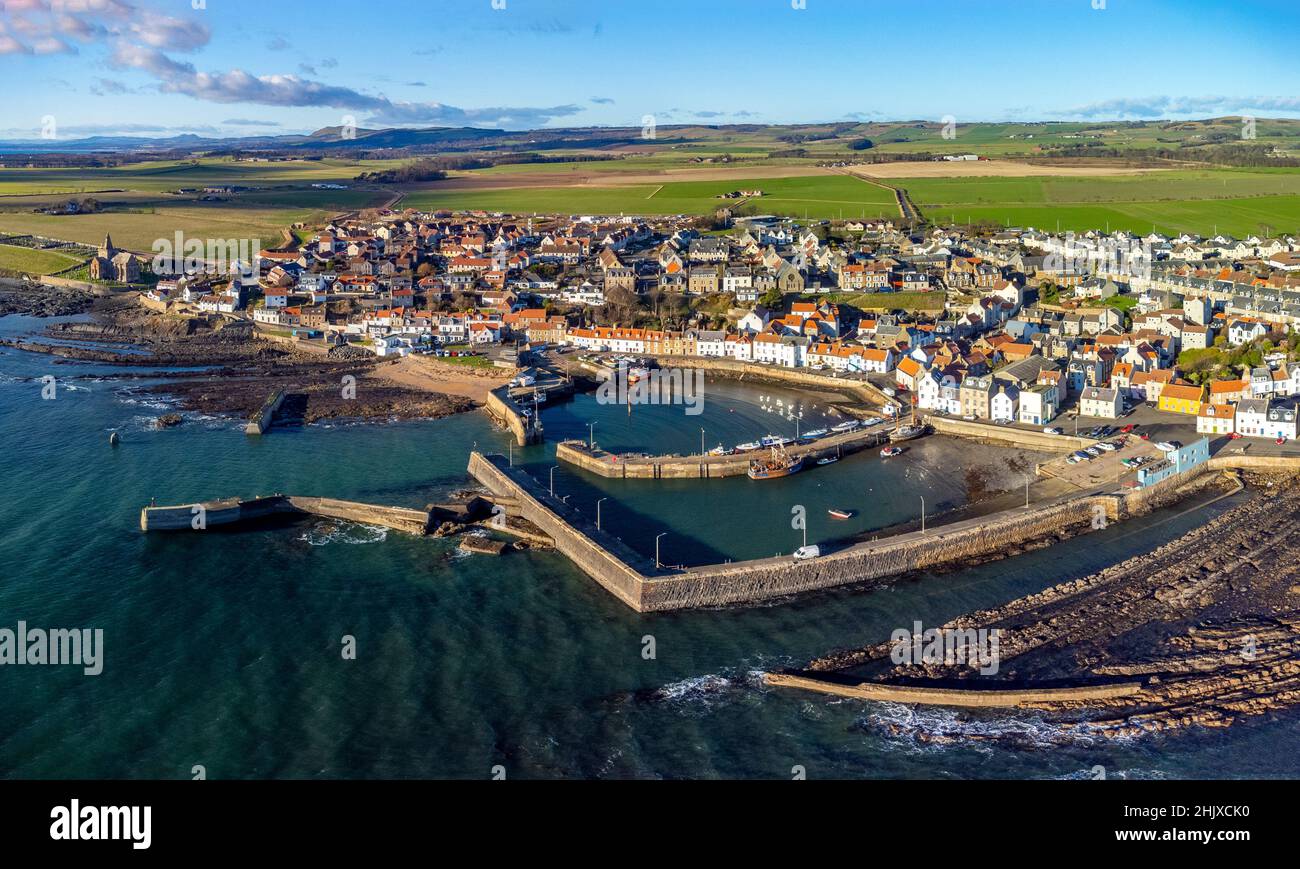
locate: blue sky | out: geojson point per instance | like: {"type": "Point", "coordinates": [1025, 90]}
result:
{"type": "Point", "coordinates": [240, 67]}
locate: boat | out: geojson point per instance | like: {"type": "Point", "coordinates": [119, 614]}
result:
{"type": "Point", "coordinates": [719, 450]}
{"type": "Point", "coordinates": [828, 460]}
{"type": "Point", "coordinates": [841, 514]}
{"type": "Point", "coordinates": [846, 426]}
{"type": "Point", "coordinates": [775, 441]}
{"type": "Point", "coordinates": [636, 375]}
{"type": "Point", "coordinates": [778, 464]}
{"type": "Point", "coordinates": [814, 434]}
{"type": "Point", "coordinates": [114, 439]}
{"type": "Point", "coordinates": [890, 452]}
{"type": "Point", "coordinates": [907, 433]}
{"type": "Point", "coordinates": [749, 447]}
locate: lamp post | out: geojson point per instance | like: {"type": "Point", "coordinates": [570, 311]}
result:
{"type": "Point", "coordinates": [701, 442]}
{"type": "Point", "coordinates": [511, 445]}
{"type": "Point", "coordinates": [591, 436]}
{"type": "Point", "coordinates": [553, 470]}
{"type": "Point", "coordinates": [658, 563]}
{"type": "Point", "coordinates": [922, 514]}
{"type": "Point", "coordinates": [798, 417]}
{"type": "Point", "coordinates": [598, 503]}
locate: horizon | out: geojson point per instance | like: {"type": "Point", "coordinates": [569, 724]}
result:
{"type": "Point", "coordinates": [141, 69]}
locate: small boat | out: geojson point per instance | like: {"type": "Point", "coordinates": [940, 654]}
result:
{"type": "Point", "coordinates": [636, 375]}
{"type": "Point", "coordinates": [778, 464]}
{"type": "Point", "coordinates": [814, 434]}
{"type": "Point", "coordinates": [841, 514]}
{"type": "Point", "coordinates": [846, 426]}
{"type": "Point", "coordinates": [775, 441]}
{"type": "Point", "coordinates": [907, 433]}
{"type": "Point", "coordinates": [719, 450]}
{"type": "Point", "coordinates": [828, 460]}
{"type": "Point", "coordinates": [114, 439]}
{"type": "Point", "coordinates": [890, 452]}
{"type": "Point", "coordinates": [749, 447]}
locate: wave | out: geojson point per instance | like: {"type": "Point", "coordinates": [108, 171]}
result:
{"type": "Point", "coordinates": [326, 532]}
{"type": "Point", "coordinates": [927, 728]}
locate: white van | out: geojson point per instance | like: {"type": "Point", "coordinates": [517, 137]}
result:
{"type": "Point", "coordinates": [807, 553]}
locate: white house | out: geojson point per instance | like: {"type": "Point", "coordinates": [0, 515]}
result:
{"type": "Point", "coordinates": [1005, 403]}
{"type": "Point", "coordinates": [1101, 403]}
{"type": "Point", "coordinates": [1216, 419]}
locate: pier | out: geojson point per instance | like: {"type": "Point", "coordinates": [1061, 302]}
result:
{"type": "Point", "coordinates": [261, 420]}
{"type": "Point", "coordinates": [635, 466]}
{"type": "Point", "coordinates": [980, 698]}
{"type": "Point", "coordinates": [478, 512]}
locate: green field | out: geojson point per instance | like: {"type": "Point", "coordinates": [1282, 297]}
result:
{"type": "Point", "coordinates": [138, 231]}
{"type": "Point", "coordinates": [814, 197]}
{"type": "Point", "coordinates": [1236, 201]}
{"type": "Point", "coordinates": [890, 301]}
{"type": "Point", "coordinates": [34, 262]}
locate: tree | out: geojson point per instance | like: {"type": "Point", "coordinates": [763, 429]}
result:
{"type": "Point", "coordinates": [773, 299]}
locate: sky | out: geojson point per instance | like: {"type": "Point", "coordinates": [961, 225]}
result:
{"type": "Point", "coordinates": [78, 68]}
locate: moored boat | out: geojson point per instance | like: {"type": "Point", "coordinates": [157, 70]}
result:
{"type": "Point", "coordinates": [749, 447]}
{"type": "Point", "coordinates": [814, 434]}
{"type": "Point", "coordinates": [778, 464]}
{"type": "Point", "coordinates": [841, 514]}
{"type": "Point", "coordinates": [890, 452]}
{"type": "Point", "coordinates": [907, 433]}
{"type": "Point", "coordinates": [719, 450]}
{"type": "Point", "coordinates": [846, 426]}
{"type": "Point", "coordinates": [828, 460]}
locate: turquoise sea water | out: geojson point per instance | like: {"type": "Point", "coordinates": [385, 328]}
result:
{"type": "Point", "coordinates": [222, 649]}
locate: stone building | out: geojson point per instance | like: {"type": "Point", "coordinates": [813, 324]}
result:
{"type": "Point", "coordinates": [111, 264]}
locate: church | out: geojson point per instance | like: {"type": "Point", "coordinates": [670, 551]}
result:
{"type": "Point", "coordinates": [112, 264]}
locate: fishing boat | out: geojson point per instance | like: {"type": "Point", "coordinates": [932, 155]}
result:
{"type": "Point", "coordinates": [775, 441]}
{"type": "Point", "coordinates": [907, 433]}
{"type": "Point", "coordinates": [814, 434]}
{"type": "Point", "coordinates": [778, 464]}
{"type": "Point", "coordinates": [890, 452]}
{"type": "Point", "coordinates": [846, 426]}
{"type": "Point", "coordinates": [828, 460]}
{"type": "Point", "coordinates": [719, 450]}
{"type": "Point", "coordinates": [841, 514]}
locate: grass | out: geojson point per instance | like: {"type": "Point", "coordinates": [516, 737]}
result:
{"type": "Point", "coordinates": [137, 231]}
{"type": "Point", "coordinates": [815, 196]}
{"type": "Point", "coordinates": [34, 262]}
{"type": "Point", "coordinates": [467, 361]}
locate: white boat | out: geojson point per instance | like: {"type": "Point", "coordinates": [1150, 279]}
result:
{"type": "Point", "coordinates": [907, 433]}
{"type": "Point", "coordinates": [828, 460]}
{"type": "Point", "coordinates": [749, 447]}
{"type": "Point", "coordinates": [814, 434]}
{"type": "Point", "coordinates": [846, 426]}
{"type": "Point", "coordinates": [775, 441]}
{"type": "Point", "coordinates": [719, 450]}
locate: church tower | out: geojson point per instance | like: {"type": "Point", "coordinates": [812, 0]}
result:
{"type": "Point", "coordinates": [106, 250]}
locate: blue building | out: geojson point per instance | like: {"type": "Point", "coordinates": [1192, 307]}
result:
{"type": "Point", "coordinates": [1175, 462]}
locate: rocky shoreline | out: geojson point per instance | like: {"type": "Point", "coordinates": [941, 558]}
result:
{"type": "Point", "coordinates": [1209, 623]}
{"type": "Point", "coordinates": [41, 300]}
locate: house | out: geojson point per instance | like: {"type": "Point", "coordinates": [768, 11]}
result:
{"type": "Point", "coordinates": [1229, 391]}
{"type": "Point", "coordinates": [907, 373]}
{"type": "Point", "coordinates": [1182, 398]}
{"type": "Point", "coordinates": [976, 397]}
{"type": "Point", "coordinates": [1101, 403]}
{"type": "Point", "coordinates": [1258, 418]}
{"type": "Point", "coordinates": [1038, 404]}
{"type": "Point", "coordinates": [1005, 402]}
{"type": "Point", "coordinates": [1216, 419]}
{"type": "Point", "coordinates": [1244, 330]}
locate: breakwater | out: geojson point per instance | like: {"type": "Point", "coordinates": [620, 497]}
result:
{"type": "Point", "coordinates": [232, 511]}
{"type": "Point", "coordinates": [260, 421]}
{"type": "Point", "coordinates": [963, 697]}
{"type": "Point", "coordinates": [645, 588]}
{"type": "Point", "coordinates": [612, 465]}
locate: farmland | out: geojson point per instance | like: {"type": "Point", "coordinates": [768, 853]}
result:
{"type": "Point", "coordinates": [818, 196]}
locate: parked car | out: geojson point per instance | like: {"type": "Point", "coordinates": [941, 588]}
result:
{"type": "Point", "coordinates": [1232, 436]}
{"type": "Point", "coordinates": [807, 553]}
{"type": "Point", "coordinates": [1052, 431]}
{"type": "Point", "coordinates": [1108, 447]}
{"type": "Point", "coordinates": [1280, 441]}
{"type": "Point", "coordinates": [1128, 429]}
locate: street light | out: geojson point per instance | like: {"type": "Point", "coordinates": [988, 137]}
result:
{"type": "Point", "coordinates": [553, 470]}
{"type": "Point", "coordinates": [701, 442]}
{"type": "Point", "coordinates": [658, 564]}
{"type": "Point", "coordinates": [598, 512]}
{"type": "Point", "coordinates": [591, 436]}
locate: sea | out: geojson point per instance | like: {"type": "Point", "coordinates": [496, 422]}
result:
{"type": "Point", "coordinates": [325, 650]}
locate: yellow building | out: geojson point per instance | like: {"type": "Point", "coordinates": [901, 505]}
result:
{"type": "Point", "coordinates": [1182, 398]}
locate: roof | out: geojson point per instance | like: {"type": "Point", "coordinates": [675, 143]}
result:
{"type": "Point", "coordinates": [1185, 392]}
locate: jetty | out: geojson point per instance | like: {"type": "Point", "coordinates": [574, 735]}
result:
{"type": "Point", "coordinates": [435, 519]}
{"type": "Point", "coordinates": [260, 421]}
{"type": "Point", "coordinates": [924, 695]}
{"type": "Point", "coordinates": [638, 466]}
